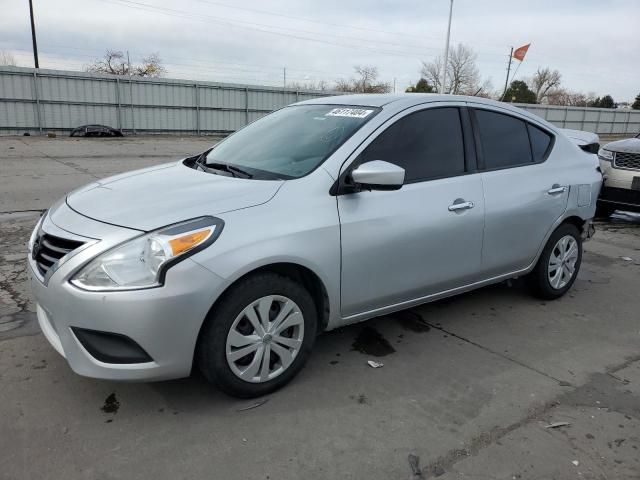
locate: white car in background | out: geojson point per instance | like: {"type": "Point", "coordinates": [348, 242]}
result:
{"type": "Point", "coordinates": [620, 164]}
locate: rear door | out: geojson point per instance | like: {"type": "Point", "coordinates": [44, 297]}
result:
{"type": "Point", "coordinates": [524, 193]}
{"type": "Point", "coordinates": [405, 244]}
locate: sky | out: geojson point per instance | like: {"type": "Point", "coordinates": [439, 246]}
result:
{"type": "Point", "coordinates": [595, 44]}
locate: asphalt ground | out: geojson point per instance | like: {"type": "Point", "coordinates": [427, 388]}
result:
{"type": "Point", "coordinates": [469, 386]}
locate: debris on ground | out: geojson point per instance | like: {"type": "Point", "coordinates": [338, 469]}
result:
{"type": "Point", "coordinates": [374, 364]}
{"type": "Point", "coordinates": [576, 462]}
{"type": "Point", "coordinates": [557, 425]}
{"type": "Point", "coordinates": [626, 259]}
{"type": "Point", "coordinates": [95, 131]}
{"type": "Point", "coordinates": [252, 406]}
{"type": "Point", "coordinates": [414, 465]}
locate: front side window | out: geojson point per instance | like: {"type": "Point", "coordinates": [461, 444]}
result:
{"type": "Point", "coordinates": [504, 140]}
{"type": "Point", "coordinates": [290, 142]}
{"type": "Point", "coordinates": [427, 144]}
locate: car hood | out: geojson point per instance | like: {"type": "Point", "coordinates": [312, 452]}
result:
{"type": "Point", "coordinates": [157, 196]}
{"type": "Point", "coordinates": [628, 145]}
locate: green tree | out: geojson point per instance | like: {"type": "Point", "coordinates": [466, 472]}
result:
{"type": "Point", "coordinates": [636, 104]}
{"type": "Point", "coordinates": [519, 92]}
{"type": "Point", "coordinates": [421, 87]}
{"type": "Point", "coordinates": [607, 102]}
{"type": "Point", "coordinates": [604, 102]}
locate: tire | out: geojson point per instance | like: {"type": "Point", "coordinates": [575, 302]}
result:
{"type": "Point", "coordinates": [604, 210]}
{"type": "Point", "coordinates": [542, 280]}
{"type": "Point", "coordinates": [234, 326]}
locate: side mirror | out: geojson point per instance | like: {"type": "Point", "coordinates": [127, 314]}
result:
{"type": "Point", "coordinates": [378, 175]}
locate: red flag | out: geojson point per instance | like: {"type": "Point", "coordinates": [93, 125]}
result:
{"type": "Point", "coordinates": [519, 53]}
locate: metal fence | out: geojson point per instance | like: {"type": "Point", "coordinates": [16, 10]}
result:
{"type": "Point", "coordinates": [604, 121]}
{"type": "Point", "coordinates": [54, 100]}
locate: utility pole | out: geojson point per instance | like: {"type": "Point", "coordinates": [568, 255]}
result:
{"type": "Point", "coordinates": [394, 84]}
{"type": "Point", "coordinates": [284, 77]}
{"type": "Point", "coordinates": [133, 113]}
{"type": "Point", "coordinates": [506, 82]}
{"type": "Point", "coordinates": [33, 36]}
{"type": "Point", "coordinates": [446, 50]}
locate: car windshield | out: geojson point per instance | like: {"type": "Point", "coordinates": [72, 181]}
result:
{"type": "Point", "coordinates": [290, 142]}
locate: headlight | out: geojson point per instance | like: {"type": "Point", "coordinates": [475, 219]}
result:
{"type": "Point", "coordinates": [605, 155]}
{"type": "Point", "coordinates": [143, 261]}
{"type": "Point", "coordinates": [34, 234]}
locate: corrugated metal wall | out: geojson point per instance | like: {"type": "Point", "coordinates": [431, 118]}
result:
{"type": "Point", "coordinates": [53, 100]}
{"type": "Point", "coordinates": [598, 120]}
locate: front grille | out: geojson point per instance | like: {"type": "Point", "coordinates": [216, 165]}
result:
{"type": "Point", "coordinates": [49, 249]}
{"type": "Point", "coordinates": [627, 160]}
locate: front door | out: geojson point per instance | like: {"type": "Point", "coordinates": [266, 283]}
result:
{"type": "Point", "coordinates": [426, 237]}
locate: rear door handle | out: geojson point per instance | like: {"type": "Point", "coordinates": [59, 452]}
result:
{"type": "Point", "coordinates": [461, 206]}
{"type": "Point", "coordinates": [556, 189]}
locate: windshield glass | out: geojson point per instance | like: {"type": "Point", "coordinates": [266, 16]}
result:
{"type": "Point", "coordinates": [290, 142]}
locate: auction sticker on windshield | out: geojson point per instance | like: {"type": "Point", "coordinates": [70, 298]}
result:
{"type": "Point", "coordinates": [349, 112]}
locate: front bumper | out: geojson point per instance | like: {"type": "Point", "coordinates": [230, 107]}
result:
{"type": "Point", "coordinates": [621, 197]}
{"type": "Point", "coordinates": [163, 321]}
{"type": "Point", "coordinates": [617, 187]}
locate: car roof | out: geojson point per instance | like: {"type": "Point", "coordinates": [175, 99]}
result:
{"type": "Point", "coordinates": [382, 99]}
{"type": "Point", "coordinates": [407, 100]}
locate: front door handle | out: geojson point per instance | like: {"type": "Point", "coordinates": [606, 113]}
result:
{"type": "Point", "coordinates": [556, 189]}
{"type": "Point", "coordinates": [461, 206]}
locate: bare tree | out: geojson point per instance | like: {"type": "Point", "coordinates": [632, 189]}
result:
{"type": "Point", "coordinates": [365, 82]}
{"type": "Point", "coordinates": [151, 66]}
{"type": "Point", "coordinates": [544, 81]}
{"type": "Point", "coordinates": [432, 73]}
{"type": "Point", "coordinates": [115, 63]}
{"type": "Point", "coordinates": [7, 59]}
{"type": "Point", "coordinates": [564, 97]}
{"type": "Point", "coordinates": [320, 85]}
{"type": "Point", "coordinates": [463, 76]}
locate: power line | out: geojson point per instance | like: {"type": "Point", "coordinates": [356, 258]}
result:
{"type": "Point", "coordinates": [310, 20]}
{"type": "Point", "coordinates": [238, 24]}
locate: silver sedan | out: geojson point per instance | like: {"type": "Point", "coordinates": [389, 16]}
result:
{"type": "Point", "coordinates": [321, 214]}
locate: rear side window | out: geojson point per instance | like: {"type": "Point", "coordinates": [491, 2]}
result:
{"type": "Point", "coordinates": [504, 140]}
{"type": "Point", "coordinates": [540, 143]}
{"type": "Point", "coordinates": [427, 144]}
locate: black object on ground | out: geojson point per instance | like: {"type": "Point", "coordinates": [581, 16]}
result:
{"type": "Point", "coordinates": [95, 131]}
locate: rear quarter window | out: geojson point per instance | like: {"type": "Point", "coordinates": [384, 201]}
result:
{"type": "Point", "coordinates": [540, 143]}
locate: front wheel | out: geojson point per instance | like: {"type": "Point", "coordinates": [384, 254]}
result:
{"type": "Point", "coordinates": [559, 263]}
{"type": "Point", "coordinates": [259, 335]}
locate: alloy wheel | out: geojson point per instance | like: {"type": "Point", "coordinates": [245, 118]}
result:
{"type": "Point", "coordinates": [562, 262]}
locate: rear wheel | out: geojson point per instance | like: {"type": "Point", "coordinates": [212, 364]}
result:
{"type": "Point", "coordinates": [259, 335]}
{"type": "Point", "coordinates": [559, 263]}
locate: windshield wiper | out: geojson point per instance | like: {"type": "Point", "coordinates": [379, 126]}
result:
{"type": "Point", "coordinates": [225, 167]}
